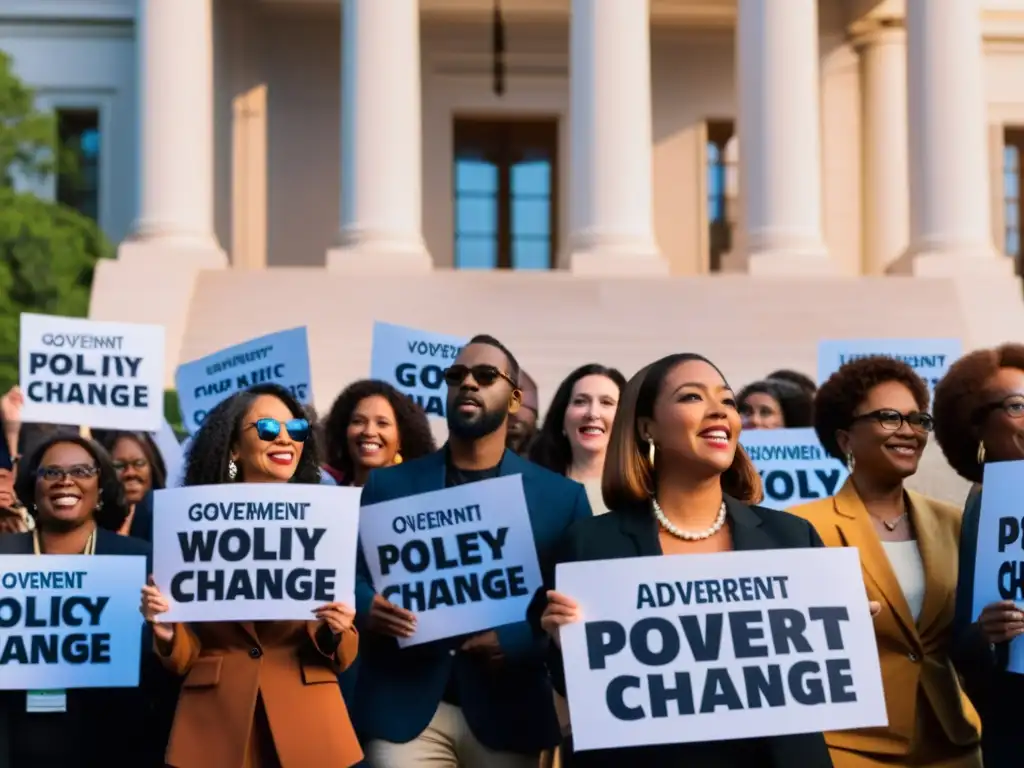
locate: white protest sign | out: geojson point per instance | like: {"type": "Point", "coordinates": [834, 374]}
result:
{"type": "Point", "coordinates": [70, 621]}
{"type": "Point", "coordinates": [736, 645]}
{"type": "Point", "coordinates": [999, 560]}
{"type": "Point", "coordinates": [794, 468]}
{"type": "Point", "coordinates": [93, 374]}
{"type": "Point", "coordinates": [462, 559]}
{"type": "Point", "coordinates": [930, 358]}
{"type": "Point", "coordinates": [414, 362]}
{"type": "Point", "coordinates": [254, 552]}
{"type": "Point", "coordinates": [172, 454]}
{"type": "Point", "coordinates": [278, 358]}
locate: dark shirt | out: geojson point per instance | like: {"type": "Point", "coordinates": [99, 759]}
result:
{"type": "Point", "coordinates": [453, 477]}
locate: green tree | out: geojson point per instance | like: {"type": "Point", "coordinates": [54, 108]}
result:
{"type": "Point", "coordinates": [48, 252]}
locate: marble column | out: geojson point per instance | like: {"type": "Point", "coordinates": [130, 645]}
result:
{"type": "Point", "coordinates": [779, 127]}
{"type": "Point", "coordinates": [950, 202]}
{"type": "Point", "coordinates": [381, 227]}
{"type": "Point", "coordinates": [611, 209]}
{"type": "Point", "coordinates": [886, 197]}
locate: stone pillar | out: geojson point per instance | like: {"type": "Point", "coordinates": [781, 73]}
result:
{"type": "Point", "coordinates": [381, 140]}
{"type": "Point", "coordinates": [175, 102]}
{"type": "Point", "coordinates": [611, 210]}
{"type": "Point", "coordinates": [886, 196]}
{"type": "Point", "coordinates": [173, 240]}
{"type": "Point", "coordinates": [779, 127]}
{"type": "Point", "coordinates": [950, 206]}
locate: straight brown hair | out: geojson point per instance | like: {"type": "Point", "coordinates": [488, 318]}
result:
{"type": "Point", "coordinates": [628, 480]}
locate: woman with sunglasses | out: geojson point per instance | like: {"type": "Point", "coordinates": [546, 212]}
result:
{"type": "Point", "coordinates": [872, 415]}
{"type": "Point", "coordinates": [73, 493]}
{"type": "Point", "coordinates": [257, 694]}
{"type": "Point", "coordinates": [979, 419]}
{"type": "Point", "coordinates": [141, 470]}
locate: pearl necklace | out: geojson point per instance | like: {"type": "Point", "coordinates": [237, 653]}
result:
{"type": "Point", "coordinates": [679, 533]}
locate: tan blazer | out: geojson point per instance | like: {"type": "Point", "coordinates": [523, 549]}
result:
{"type": "Point", "coordinates": [913, 655]}
{"type": "Point", "coordinates": [227, 664]}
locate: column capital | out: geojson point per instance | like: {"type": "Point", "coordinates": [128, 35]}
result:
{"type": "Point", "coordinates": [871, 31]}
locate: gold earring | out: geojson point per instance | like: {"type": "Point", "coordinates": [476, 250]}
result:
{"type": "Point", "coordinates": [397, 459]}
{"type": "Point", "coordinates": [651, 450]}
{"type": "Point", "coordinates": [850, 463]}
{"type": "Point", "coordinates": [981, 452]}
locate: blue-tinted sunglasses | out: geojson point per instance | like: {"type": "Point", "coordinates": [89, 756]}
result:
{"type": "Point", "coordinates": [269, 430]}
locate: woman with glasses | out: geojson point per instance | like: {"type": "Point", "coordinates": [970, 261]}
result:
{"type": "Point", "coordinates": [979, 418]}
{"type": "Point", "coordinates": [72, 491]}
{"type": "Point", "coordinates": [141, 469]}
{"type": "Point", "coordinates": [257, 694]}
{"type": "Point", "coordinates": [873, 415]}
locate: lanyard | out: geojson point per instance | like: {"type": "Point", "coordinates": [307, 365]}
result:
{"type": "Point", "coordinates": [90, 544]}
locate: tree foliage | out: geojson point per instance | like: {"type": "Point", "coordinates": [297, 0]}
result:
{"type": "Point", "coordinates": [48, 252]}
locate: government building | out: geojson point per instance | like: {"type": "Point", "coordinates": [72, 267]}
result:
{"type": "Point", "coordinates": [604, 180]}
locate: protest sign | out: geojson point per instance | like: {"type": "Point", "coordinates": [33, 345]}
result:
{"type": "Point", "coordinates": [930, 358]}
{"type": "Point", "coordinates": [999, 558]}
{"type": "Point", "coordinates": [707, 647]}
{"type": "Point", "coordinates": [414, 363]}
{"type": "Point", "coordinates": [90, 373]}
{"type": "Point", "coordinates": [462, 559]}
{"type": "Point", "coordinates": [794, 468]}
{"type": "Point", "coordinates": [254, 552]}
{"type": "Point", "coordinates": [278, 358]}
{"type": "Point", "coordinates": [68, 621]}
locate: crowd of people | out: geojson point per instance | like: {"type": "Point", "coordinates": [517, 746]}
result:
{"type": "Point", "coordinates": [619, 468]}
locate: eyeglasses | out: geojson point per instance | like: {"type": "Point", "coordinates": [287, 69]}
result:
{"type": "Point", "coordinates": [1012, 406]}
{"type": "Point", "coordinates": [53, 474]}
{"type": "Point", "coordinates": [484, 375]}
{"type": "Point", "coordinates": [268, 430]}
{"type": "Point", "coordinates": [121, 466]}
{"type": "Point", "coordinates": [891, 420]}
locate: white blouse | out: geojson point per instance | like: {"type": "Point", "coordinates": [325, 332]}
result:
{"type": "Point", "coordinates": [905, 558]}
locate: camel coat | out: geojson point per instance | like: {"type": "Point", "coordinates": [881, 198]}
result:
{"type": "Point", "coordinates": [929, 714]}
{"type": "Point", "coordinates": [283, 666]}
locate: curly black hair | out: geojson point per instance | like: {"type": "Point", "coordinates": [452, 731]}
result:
{"type": "Point", "coordinates": [158, 471]}
{"type": "Point", "coordinates": [958, 399]}
{"type": "Point", "coordinates": [551, 448]}
{"type": "Point", "coordinates": [111, 513]}
{"type": "Point", "coordinates": [414, 433]}
{"type": "Point", "coordinates": [210, 450]}
{"type": "Point", "coordinates": [838, 398]}
{"type": "Point", "coordinates": [796, 403]}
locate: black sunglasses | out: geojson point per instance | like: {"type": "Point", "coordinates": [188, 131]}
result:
{"type": "Point", "coordinates": [891, 420]}
{"type": "Point", "coordinates": [53, 474]}
{"type": "Point", "coordinates": [268, 430]}
{"type": "Point", "coordinates": [484, 375]}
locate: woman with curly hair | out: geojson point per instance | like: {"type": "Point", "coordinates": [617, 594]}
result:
{"type": "Point", "coordinates": [979, 418]}
{"type": "Point", "coordinates": [873, 414]}
{"type": "Point", "coordinates": [257, 694]}
{"type": "Point", "coordinates": [577, 428]}
{"type": "Point", "coordinates": [775, 404]}
{"type": "Point", "coordinates": [73, 492]}
{"type": "Point", "coordinates": [373, 425]}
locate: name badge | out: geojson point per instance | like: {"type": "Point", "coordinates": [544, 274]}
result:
{"type": "Point", "coordinates": [40, 702]}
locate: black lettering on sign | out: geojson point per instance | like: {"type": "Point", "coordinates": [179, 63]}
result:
{"type": "Point", "coordinates": [74, 648]}
{"type": "Point", "coordinates": [433, 349]}
{"type": "Point", "coordinates": [19, 645]}
{"type": "Point", "coordinates": [431, 377]}
{"type": "Point", "coordinates": [220, 584]}
{"type": "Point", "coordinates": [800, 484]}
{"type": "Point", "coordinates": [672, 648]}
{"type": "Point", "coordinates": [236, 544]}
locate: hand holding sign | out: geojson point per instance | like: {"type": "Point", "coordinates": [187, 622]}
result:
{"type": "Point", "coordinates": [153, 604]}
{"type": "Point", "coordinates": [560, 610]}
{"type": "Point", "coordinates": [337, 616]}
{"type": "Point", "coordinates": [1001, 621]}
{"type": "Point", "coordinates": [386, 618]}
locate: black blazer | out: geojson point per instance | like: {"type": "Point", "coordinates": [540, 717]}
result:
{"type": "Point", "coordinates": [102, 726]}
{"type": "Point", "coordinates": [634, 533]}
{"type": "Point", "coordinates": [142, 520]}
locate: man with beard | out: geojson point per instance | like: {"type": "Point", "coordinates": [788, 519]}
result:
{"type": "Point", "coordinates": [466, 702]}
{"type": "Point", "coordinates": [522, 423]}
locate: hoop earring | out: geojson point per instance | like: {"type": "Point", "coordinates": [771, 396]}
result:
{"type": "Point", "coordinates": [232, 469]}
{"type": "Point", "coordinates": [651, 451]}
{"type": "Point", "coordinates": [850, 462]}
{"type": "Point", "coordinates": [981, 452]}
